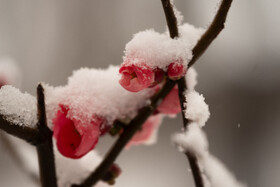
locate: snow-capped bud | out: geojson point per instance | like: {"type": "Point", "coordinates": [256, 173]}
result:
{"type": "Point", "coordinates": [171, 103]}
{"type": "Point", "coordinates": [73, 138]}
{"type": "Point", "coordinates": [176, 71]}
{"type": "Point", "coordinates": [148, 133]}
{"type": "Point", "coordinates": [136, 78]}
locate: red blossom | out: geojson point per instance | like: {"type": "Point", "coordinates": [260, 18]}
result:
{"type": "Point", "coordinates": [136, 78]}
{"type": "Point", "coordinates": [73, 138]}
{"type": "Point", "coordinates": [147, 132]}
{"type": "Point", "coordinates": [176, 71]}
{"type": "Point", "coordinates": [171, 103]}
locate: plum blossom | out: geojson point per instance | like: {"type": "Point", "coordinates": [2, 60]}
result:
{"type": "Point", "coordinates": [171, 103]}
{"type": "Point", "coordinates": [148, 133]}
{"type": "Point", "coordinates": [176, 71]}
{"type": "Point", "coordinates": [73, 138]}
{"type": "Point", "coordinates": [135, 78]}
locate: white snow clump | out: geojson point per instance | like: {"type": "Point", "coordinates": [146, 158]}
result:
{"type": "Point", "coordinates": [214, 173]}
{"type": "Point", "coordinates": [18, 107]}
{"type": "Point", "coordinates": [156, 50]}
{"type": "Point", "coordinates": [95, 92]}
{"type": "Point", "coordinates": [196, 108]}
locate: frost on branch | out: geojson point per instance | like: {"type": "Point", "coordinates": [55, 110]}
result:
{"type": "Point", "coordinates": [17, 107]}
{"type": "Point", "coordinates": [214, 172]}
{"type": "Point", "coordinates": [196, 108]}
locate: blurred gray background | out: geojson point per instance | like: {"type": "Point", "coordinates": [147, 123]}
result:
{"type": "Point", "coordinates": [238, 75]}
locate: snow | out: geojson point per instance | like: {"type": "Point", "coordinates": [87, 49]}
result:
{"type": "Point", "coordinates": [156, 50]}
{"type": "Point", "coordinates": [190, 34]}
{"type": "Point", "coordinates": [196, 108]}
{"type": "Point", "coordinates": [74, 171]}
{"type": "Point", "coordinates": [9, 72]}
{"type": "Point", "coordinates": [95, 92]}
{"type": "Point", "coordinates": [191, 79]}
{"type": "Point", "coordinates": [214, 173]}
{"type": "Point", "coordinates": [18, 107]}
{"type": "Point", "coordinates": [217, 173]}
{"type": "Point", "coordinates": [177, 13]}
{"type": "Point", "coordinates": [193, 140]}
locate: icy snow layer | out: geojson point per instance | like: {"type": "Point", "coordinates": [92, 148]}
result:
{"type": "Point", "coordinates": [9, 72]}
{"type": "Point", "coordinates": [18, 107]}
{"type": "Point", "coordinates": [156, 50]}
{"type": "Point", "coordinates": [215, 174]}
{"type": "Point", "coordinates": [74, 171]}
{"type": "Point", "coordinates": [95, 92]}
{"type": "Point", "coordinates": [196, 108]}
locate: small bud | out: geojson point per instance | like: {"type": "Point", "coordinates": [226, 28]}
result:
{"type": "Point", "coordinates": [136, 78]}
{"type": "Point", "coordinates": [176, 71]}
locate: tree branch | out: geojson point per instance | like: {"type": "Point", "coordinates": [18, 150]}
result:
{"type": "Point", "coordinates": [172, 26]}
{"type": "Point", "coordinates": [26, 133]}
{"type": "Point", "coordinates": [131, 129]}
{"type": "Point", "coordinates": [212, 32]}
{"type": "Point", "coordinates": [170, 18]}
{"type": "Point", "coordinates": [45, 148]}
{"type": "Point", "coordinates": [145, 112]}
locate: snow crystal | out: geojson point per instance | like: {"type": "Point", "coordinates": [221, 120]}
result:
{"type": "Point", "coordinates": [9, 72]}
{"type": "Point", "coordinates": [193, 140]}
{"type": "Point", "coordinates": [191, 79]}
{"type": "Point", "coordinates": [74, 171]}
{"type": "Point", "coordinates": [214, 173]}
{"type": "Point", "coordinates": [156, 50]}
{"type": "Point", "coordinates": [95, 92]}
{"type": "Point", "coordinates": [18, 107]}
{"type": "Point", "coordinates": [190, 34]}
{"type": "Point", "coordinates": [196, 108]}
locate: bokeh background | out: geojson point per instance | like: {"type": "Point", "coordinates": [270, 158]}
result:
{"type": "Point", "coordinates": [238, 75]}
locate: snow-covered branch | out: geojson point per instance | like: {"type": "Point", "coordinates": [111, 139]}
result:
{"type": "Point", "coordinates": [18, 114]}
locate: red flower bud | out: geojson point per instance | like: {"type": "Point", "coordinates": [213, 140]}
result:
{"type": "Point", "coordinates": [73, 138]}
{"type": "Point", "coordinates": [136, 78]}
{"type": "Point", "coordinates": [176, 71]}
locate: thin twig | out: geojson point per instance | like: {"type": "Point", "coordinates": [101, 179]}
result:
{"type": "Point", "coordinates": [45, 148]}
{"type": "Point", "coordinates": [170, 18]}
{"type": "Point", "coordinates": [133, 126]}
{"type": "Point", "coordinates": [212, 32]}
{"type": "Point", "coordinates": [172, 26]}
{"type": "Point", "coordinates": [207, 38]}
{"type": "Point", "coordinates": [24, 132]}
